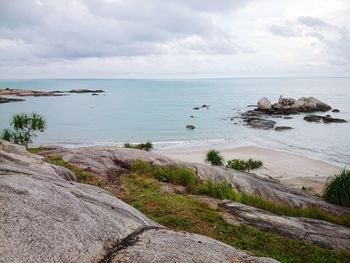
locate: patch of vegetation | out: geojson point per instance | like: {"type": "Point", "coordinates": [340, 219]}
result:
{"type": "Point", "coordinates": [140, 146]}
{"type": "Point", "coordinates": [337, 189]}
{"type": "Point", "coordinates": [37, 150]}
{"type": "Point", "coordinates": [182, 213]}
{"type": "Point", "coordinates": [81, 175]}
{"type": "Point", "coordinates": [243, 165]}
{"type": "Point", "coordinates": [24, 128]}
{"type": "Point", "coordinates": [223, 190]}
{"type": "Point", "coordinates": [214, 158]}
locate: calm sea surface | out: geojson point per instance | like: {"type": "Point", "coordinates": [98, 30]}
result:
{"type": "Point", "coordinates": [159, 110]}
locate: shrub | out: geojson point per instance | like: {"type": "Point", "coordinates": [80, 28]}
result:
{"type": "Point", "coordinates": [337, 189]}
{"type": "Point", "coordinates": [242, 165]}
{"type": "Point", "coordinates": [214, 158]}
{"type": "Point", "coordinates": [141, 146]}
{"type": "Point", "coordinates": [24, 127]}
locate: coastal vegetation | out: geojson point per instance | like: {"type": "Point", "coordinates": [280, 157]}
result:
{"type": "Point", "coordinates": [337, 189]}
{"type": "Point", "coordinates": [223, 190]}
{"type": "Point", "coordinates": [184, 213]}
{"type": "Point", "coordinates": [214, 158]}
{"type": "Point", "coordinates": [147, 146]}
{"type": "Point", "coordinates": [24, 128]}
{"type": "Point", "coordinates": [242, 165]}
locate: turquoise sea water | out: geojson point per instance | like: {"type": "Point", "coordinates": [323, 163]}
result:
{"type": "Point", "coordinates": [159, 110]}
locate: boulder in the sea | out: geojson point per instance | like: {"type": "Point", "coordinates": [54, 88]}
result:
{"type": "Point", "coordinates": [313, 118]}
{"type": "Point", "coordinates": [335, 110]}
{"type": "Point", "coordinates": [286, 101]}
{"type": "Point", "coordinates": [85, 91]}
{"type": "Point", "coordinates": [329, 119]}
{"type": "Point", "coordinates": [204, 106]}
{"type": "Point", "coordinates": [6, 100]}
{"type": "Point", "coordinates": [196, 108]}
{"type": "Point", "coordinates": [260, 123]}
{"type": "Point", "coordinates": [190, 126]}
{"type": "Point", "coordinates": [310, 104]}
{"type": "Point", "coordinates": [283, 128]}
{"type": "Point", "coordinates": [264, 104]}
{"type": "Point", "coordinates": [287, 117]}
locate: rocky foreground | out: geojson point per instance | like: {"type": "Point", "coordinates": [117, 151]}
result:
{"type": "Point", "coordinates": [45, 216]}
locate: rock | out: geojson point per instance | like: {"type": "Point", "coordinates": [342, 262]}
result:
{"type": "Point", "coordinates": [277, 116]}
{"type": "Point", "coordinates": [335, 110]}
{"type": "Point", "coordinates": [204, 106]}
{"type": "Point", "coordinates": [85, 91]}
{"type": "Point", "coordinates": [260, 123]}
{"type": "Point", "coordinates": [322, 233]}
{"type": "Point", "coordinates": [285, 102]}
{"type": "Point", "coordinates": [264, 104]}
{"type": "Point", "coordinates": [26, 93]}
{"type": "Point", "coordinates": [276, 106]}
{"type": "Point", "coordinates": [94, 94]}
{"type": "Point", "coordinates": [191, 116]}
{"type": "Point", "coordinates": [287, 117]}
{"type": "Point", "coordinates": [6, 100]}
{"type": "Point", "coordinates": [45, 218]}
{"type": "Point", "coordinates": [313, 118]}
{"type": "Point", "coordinates": [283, 128]}
{"type": "Point", "coordinates": [251, 105]}
{"type": "Point", "coordinates": [196, 108]}
{"type": "Point", "coordinates": [190, 126]}
{"type": "Point", "coordinates": [329, 119]}
{"type": "Point", "coordinates": [310, 104]}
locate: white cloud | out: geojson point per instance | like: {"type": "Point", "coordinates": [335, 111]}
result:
{"type": "Point", "coordinates": [111, 38]}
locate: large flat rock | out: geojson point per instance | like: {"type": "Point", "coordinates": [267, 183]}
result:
{"type": "Point", "coordinates": [47, 217]}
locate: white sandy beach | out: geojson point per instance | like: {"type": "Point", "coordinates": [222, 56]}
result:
{"type": "Point", "coordinates": [288, 168]}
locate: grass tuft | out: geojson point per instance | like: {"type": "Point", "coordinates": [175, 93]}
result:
{"type": "Point", "coordinates": [242, 165]}
{"type": "Point", "coordinates": [337, 189]}
{"type": "Point", "coordinates": [140, 146]}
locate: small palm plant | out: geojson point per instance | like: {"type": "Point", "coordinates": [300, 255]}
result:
{"type": "Point", "coordinates": [25, 126]}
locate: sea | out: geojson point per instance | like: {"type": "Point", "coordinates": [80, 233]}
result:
{"type": "Point", "coordinates": [158, 110]}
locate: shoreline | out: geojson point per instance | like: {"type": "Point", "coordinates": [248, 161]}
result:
{"type": "Point", "coordinates": [291, 169]}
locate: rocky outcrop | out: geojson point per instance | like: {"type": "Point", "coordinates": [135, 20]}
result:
{"type": "Point", "coordinates": [292, 106]}
{"type": "Point", "coordinates": [319, 232]}
{"type": "Point", "coordinates": [325, 119]}
{"type": "Point", "coordinates": [102, 160]}
{"type": "Point", "coordinates": [85, 91]}
{"type": "Point", "coordinates": [6, 100]}
{"type": "Point", "coordinates": [29, 93]}
{"type": "Point", "coordinates": [264, 104]}
{"type": "Point", "coordinates": [190, 126]}
{"type": "Point", "coordinates": [46, 218]}
{"type": "Point", "coordinates": [259, 123]}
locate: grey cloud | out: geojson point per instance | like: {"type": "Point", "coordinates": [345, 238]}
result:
{"type": "Point", "coordinates": [284, 30]}
{"type": "Point", "coordinates": [95, 28]}
{"type": "Point", "coordinates": [312, 22]}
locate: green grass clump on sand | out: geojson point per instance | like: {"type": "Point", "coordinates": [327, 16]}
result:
{"type": "Point", "coordinates": [81, 175]}
{"type": "Point", "coordinates": [183, 213]}
{"type": "Point", "coordinates": [337, 189]}
{"type": "Point", "coordinates": [214, 158]}
{"type": "Point", "coordinates": [140, 146]}
{"type": "Point", "coordinates": [223, 190]}
{"type": "Point", "coordinates": [242, 165]}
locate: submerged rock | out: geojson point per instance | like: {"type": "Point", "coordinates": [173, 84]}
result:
{"type": "Point", "coordinates": [329, 119]}
{"type": "Point", "coordinates": [259, 123]}
{"type": "Point", "coordinates": [283, 128]}
{"type": "Point", "coordinates": [335, 110]}
{"type": "Point", "coordinates": [313, 118]}
{"type": "Point", "coordinates": [7, 100]}
{"type": "Point", "coordinates": [85, 91]}
{"type": "Point", "coordinates": [190, 126]}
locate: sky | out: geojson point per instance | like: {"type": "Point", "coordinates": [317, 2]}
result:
{"type": "Point", "coordinates": [177, 38]}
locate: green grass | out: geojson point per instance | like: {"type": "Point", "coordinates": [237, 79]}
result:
{"type": "Point", "coordinates": [36, 150]}
{"type": "Point", "coordinates": [243, 165]}
{"type": "Point", "coordinates": [141, 146]}
{"type": "Point", "coordinates": [223, 190]}
{"type": "Point", "coordinates": [214, 158]}
{"type": "Point", "coordinates": [81, 175]}
{"type": "Point", "coordinates": [337, 189]}
{"type": "Point", "coordinates": [182, 213]}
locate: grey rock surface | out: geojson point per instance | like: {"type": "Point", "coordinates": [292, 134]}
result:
{"type": "Point", "coordinates": [264, 104]}
{"type": "Point", "coordinates": [319, 232]}
{"type": "Point", "coordinates": [46, 218]}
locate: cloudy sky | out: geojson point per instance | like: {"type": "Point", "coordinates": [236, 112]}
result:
{"type": "Point", "coordinates": [177, 38]}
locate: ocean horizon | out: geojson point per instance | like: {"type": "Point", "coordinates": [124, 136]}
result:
{"type": "Point", "coordinates": [137, 110]}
